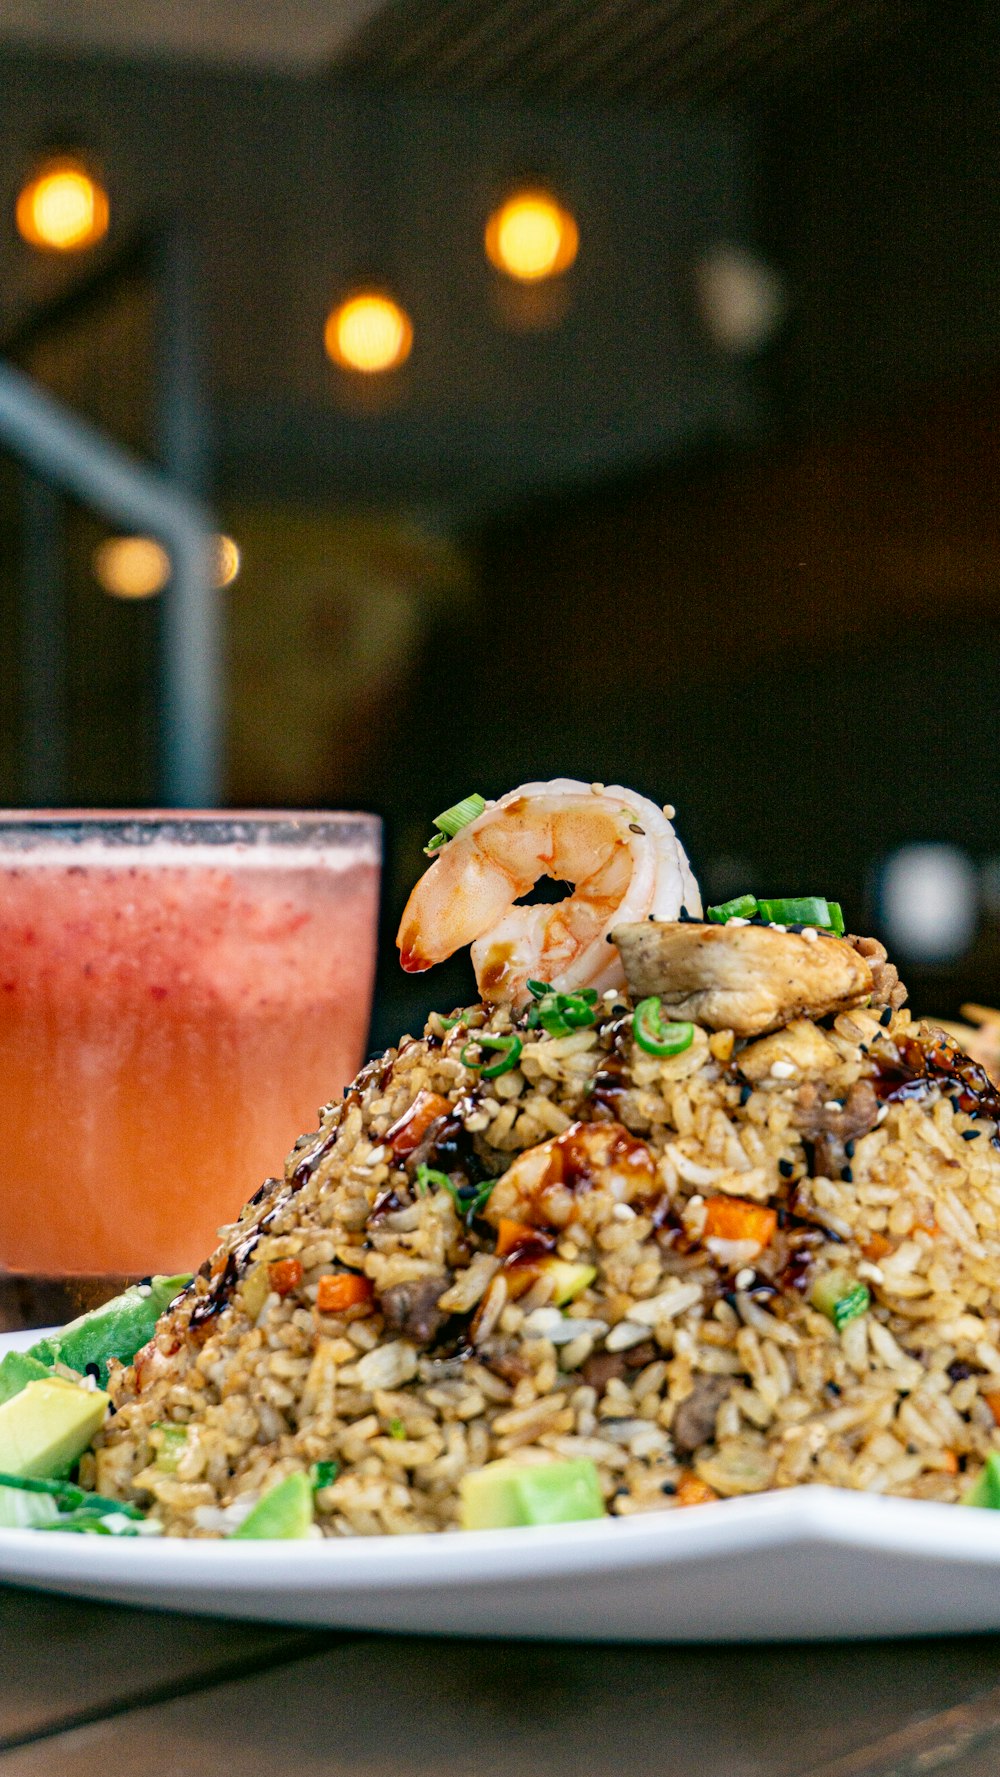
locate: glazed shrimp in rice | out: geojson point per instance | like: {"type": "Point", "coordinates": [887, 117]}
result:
{"type": "Point", "coordinates": [618, 850]}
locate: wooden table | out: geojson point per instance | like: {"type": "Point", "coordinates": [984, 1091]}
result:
{"type": "Point", "coordinates": [90, 1690]}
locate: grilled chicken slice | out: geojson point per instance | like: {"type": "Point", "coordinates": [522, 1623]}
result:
{"type": "Point", "coordinates": [747, 979]}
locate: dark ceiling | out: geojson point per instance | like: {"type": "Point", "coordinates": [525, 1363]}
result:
{"type": "Point", "coordinates": [688, 52]}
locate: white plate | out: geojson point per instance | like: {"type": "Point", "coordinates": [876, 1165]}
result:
{"type": "Point", "coordinates": [807, 1563]}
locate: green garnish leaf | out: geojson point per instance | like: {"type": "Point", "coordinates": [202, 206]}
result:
{"type": "Point", "coordinates": [656, 1034]}
{"type": "Point", "coordinates": [742, 907]}
{"type": "Point", "coordinates": [323, 1474]}
{"type": "Point", "coordinates": [69, 1496]}
{"type": "Point", "coordinates": [539, 988]}
{"type": "Point", "coordinates": [507, 1047]}
{"type": "Point", "coordinates": [454, 819]}
{"type": "Point", "coordinates": [396, 1428]}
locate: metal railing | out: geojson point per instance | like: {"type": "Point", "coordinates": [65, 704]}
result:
{"type": "Point", "coordinates": [67, 451]}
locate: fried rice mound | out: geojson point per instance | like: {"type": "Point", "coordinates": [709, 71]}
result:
{"type": "Point", "coordinates": [597, 1253]}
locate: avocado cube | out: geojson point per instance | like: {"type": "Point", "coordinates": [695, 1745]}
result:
{"type": "Point", "coordinates": [508, 1493]}
{"type": "Point", "coordinates": [48, 1425]}
{"type": "Point", "coordinates": [568, 1280]}
{"type": "Point", "coordinates": [985, 1489]}
{"type": "Point", "coordinates": [286, 1511]}
{"type": "Point", "coordinates": [118, 1329]}
{"type": "Point", "coordinates": [17, 1369]}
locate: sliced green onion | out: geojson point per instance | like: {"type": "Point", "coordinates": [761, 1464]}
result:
{"type": "Point", "coordinates": [800, 910]}
{"type": "Point", "coordinates": [836, 918]}
{"type": "Point", "coordinates": [466, 1206]}
{"type": "Point", "coordinates": [655, 1034]}
{"type": "Point", "coordinates": [539, 988]}
{"type": "Point", "coordinates": [323, 1474]}
{"type": "Point", "coordinates": [428, 1176]}
{"type": "Point", "coordinates": [743, 907]}
{"type": "Point", "coordinates": [172, 1441]}
{"type": "Point", "coordinates": [561, 1013]}
{"type": "Point", "coordinates": [396, 1428]}
{"type": "Point", "coordinates": [454, 819]}
{"type": "Point", "coordinates": [508, 1048]}
{"type": "Point", "coordinates": [435, 844]}
{"type": "Point", "coordinates": [840, 1298]}
{"type": "Point", "coordinates": [459, 1018]}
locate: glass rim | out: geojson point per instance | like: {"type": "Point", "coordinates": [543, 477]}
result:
{"type": "Point", "coordinates": [190, 826]}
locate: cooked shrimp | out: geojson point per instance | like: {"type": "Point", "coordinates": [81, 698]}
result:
{"type": "Point", "coordinates": [618, 850]}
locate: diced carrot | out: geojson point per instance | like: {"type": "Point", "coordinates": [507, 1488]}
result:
{"type": "Point", "coordinates": [950, 1463]}
{"type": "Point", "coordinates": [928, 1228]}
{"type": "Point", "coordinates": [693, 1492]}
{"type": "Point", "coordinates": [511, 1234]}
{"type": "Point", "coordinates": [342, 1290]}
{"type": "Point", "coordinates": [992, 1400]}
{"type": "Point", "coordinates": [218, 1265]}
{"type": "Point", "coordinates": [731, 1218]}
{"type": "Point", "coordinates": [878, 1247]}
{"type": "Point", "coordinates": [284, 1275]}
{"type": "Point", "coordinates": [409, 1130]}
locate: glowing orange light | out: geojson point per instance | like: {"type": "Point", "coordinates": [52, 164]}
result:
{"type": "Point", "coordinates": [62, 207]}
{"type": "Point", "coordinates": [139, 567]}
{"type": "Point", "coordinates": [131, 567]}
{"type": "Point", "coordinates": [227, 561]}
{"type": "Point", "coordinates": [532, 237]}
{"type": "Point", "coordinates": [369, 333]}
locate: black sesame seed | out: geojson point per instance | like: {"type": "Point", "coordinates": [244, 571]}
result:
{"type": "Point", "coordinates": [634, 827]}
{"type": "Point", "coordinates": [746, 1093]}
{"type": "Point", "coordinates": [849, 1147]}
{"type": "Point", "coordinates": [960, 1371]}
{"type": "Point", "coordinates": [864, 1048]}
{"type": "Point", "coordinates": [834, 1388]}
{"type": "Point", "coordinates": [686, 918]}
{"type": "Point", "coordinates": [668, 1487]}
{"type": "Point", "coordinates": [92, 1370]}
{"type": "Point", "coordinates": [886, 1017]}
{"type": "Point", "coordinates": [847, 1175]}
{"type": "Point", "coordinates": [786, 1168]}
{"type": "Point", "coordinates": [970, 1134]}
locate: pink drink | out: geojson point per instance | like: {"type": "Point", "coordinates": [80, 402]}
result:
{"type": "Point", "coordinates": [177, 999]}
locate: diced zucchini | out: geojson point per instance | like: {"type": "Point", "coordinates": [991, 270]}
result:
{"type": "Point", "coordinates": [285, 1512]}
{"type": "Point", "coordinates": [170, 1441]}
{"type": "Point", "coordinates": [985, 1489]}
{"type": "Point", "coordinates": [508, 1493]}
{"type": "Point", "coordinates": [568, 1280]}
{"type": "Point", "coordinates": [840, 1297]}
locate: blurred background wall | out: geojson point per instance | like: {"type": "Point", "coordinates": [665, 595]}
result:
{"type": "Point", "coordinates": [711, 512]}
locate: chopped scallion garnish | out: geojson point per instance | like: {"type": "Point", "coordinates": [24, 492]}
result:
{"type": "Point", "coordinates": [507, 1047]}
{"type": "Point", "coordinates": [797, 910]}
{"type": "Point", "coordinates": [454, 819]}
{"type": "Point", "coordinates": [561, 1013]}
{"type": "Point", "coordinates": [469, 1200]}
{"type": "Point", "coordinates": [323, 1474]}
{"type": "Point", "coordinates": [396, 1428]}
{"type": "Point", "coordinates": [742, 907]}
{"type": "Point", "coordinates": [655, 1034]}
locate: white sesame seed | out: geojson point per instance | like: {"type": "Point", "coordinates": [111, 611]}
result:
{"type": "Point", "coordinates": [598, 789]}
{"type": "Point", "coordinates": [377, 1155]}
{"type": "Point", "coordinates": [883, 1113]}
{"type": "Point", "coordinates": [783, 1070]}
{"type": "Point", "coordinates": [623, 1212]}
{"type": "Point", "coordinates": [609, 994]}
{"type": "Point", "coordinates": [737, 921]}
{"type": "Point", "coordinates": [811, 933]}
{"type": "Point", "coordinates": [745, 1277]}
{"type": "Point", "coordinates": [669, 810]}
{"type": "Point", "coordinates": [832, 1104]}
{"type": "Point", "coordinates": [775, 927]}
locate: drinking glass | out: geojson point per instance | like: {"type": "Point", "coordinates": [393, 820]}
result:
{"type": "Point", "coordinates": [179, 994]}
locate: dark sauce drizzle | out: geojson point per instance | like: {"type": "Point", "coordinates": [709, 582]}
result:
{"type": "Point", "coordinates": [920, 1068]}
